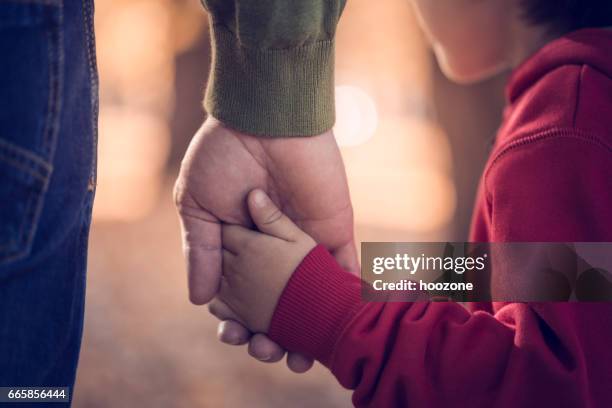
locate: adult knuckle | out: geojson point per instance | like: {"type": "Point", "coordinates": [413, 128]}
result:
{"type": "Point", "coordinates": [213, 308]}
{"type": "Point", "coordinates": [178, 192]}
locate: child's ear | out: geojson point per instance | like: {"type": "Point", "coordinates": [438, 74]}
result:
{"type": "Point", "coordinates": [269, 219]}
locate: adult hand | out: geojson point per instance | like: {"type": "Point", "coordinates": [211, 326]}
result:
{"type": "Point", "coordinates": [305, 178]}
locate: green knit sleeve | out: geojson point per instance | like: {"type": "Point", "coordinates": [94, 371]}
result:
{"type": "Point", "coordinates": [273, 65]}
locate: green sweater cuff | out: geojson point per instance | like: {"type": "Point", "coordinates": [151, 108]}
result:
{"type": "Point", "coordinates": [271, 92]}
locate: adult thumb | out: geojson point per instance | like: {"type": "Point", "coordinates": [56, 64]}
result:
{"type": "Point", "coordinates": [269, 218]}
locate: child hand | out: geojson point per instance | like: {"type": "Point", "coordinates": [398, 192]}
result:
{"type": "Point", "coordinates": [258, 265]}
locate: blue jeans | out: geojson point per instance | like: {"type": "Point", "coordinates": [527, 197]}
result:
{"type": "Point", "coordinates": [48, 122]}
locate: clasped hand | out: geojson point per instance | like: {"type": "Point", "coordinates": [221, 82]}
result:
{"type": "Point", "coordinates": [304, 176]}
{"type": "Point", "coordinates": [258, 264]}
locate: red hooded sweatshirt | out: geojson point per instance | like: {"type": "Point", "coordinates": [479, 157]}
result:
{"type": "Point", "coordinates": [549, 178]}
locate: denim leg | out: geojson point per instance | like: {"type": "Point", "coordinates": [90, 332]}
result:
{"type": "Point", "coordinates": [41, 313]}
{"type": "Point", "coordinates": [48, 128]}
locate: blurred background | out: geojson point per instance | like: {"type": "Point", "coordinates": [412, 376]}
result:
{"type": "Point", "coordinates": [413, 145]}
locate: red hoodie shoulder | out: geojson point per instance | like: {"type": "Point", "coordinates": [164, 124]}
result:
{"type": "Point", "coordinates": [549, 177]}
{"type": "Point", "coordinates": [566, 85]}
{"type": "Point", "coordinates": [551, 167]}
{"type": "Point", "coordinates": [552, 186]}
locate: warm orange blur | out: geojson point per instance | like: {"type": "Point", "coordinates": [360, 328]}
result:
{"type": "Point", "coordinates": [413, 146]}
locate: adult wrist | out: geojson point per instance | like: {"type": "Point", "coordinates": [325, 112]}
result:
{"type": "Point", "coordinates": [271, 92]}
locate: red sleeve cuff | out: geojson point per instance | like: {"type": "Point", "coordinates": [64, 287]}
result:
{"type": "Point", "coordinates": [319, 300]}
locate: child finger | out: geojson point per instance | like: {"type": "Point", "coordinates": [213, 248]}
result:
{"type": "Point", "coordinates": [234, 237]}
{"type": "Point", "coordinates": [269, 218]}
{"type": "Point", "coordinates": [299, 363]}
{"type": "Point", "coordinates": [264, 349]}
{"type": "Point", "coordinates": [228, 262]}
{"type": "Point", "coordinates": [232, 332]}
{"type": "Point", "coordinates": [221, 310]}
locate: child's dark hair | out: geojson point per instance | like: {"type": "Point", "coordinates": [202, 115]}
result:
{"type": "Point", "coordinates": [568, 15]}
